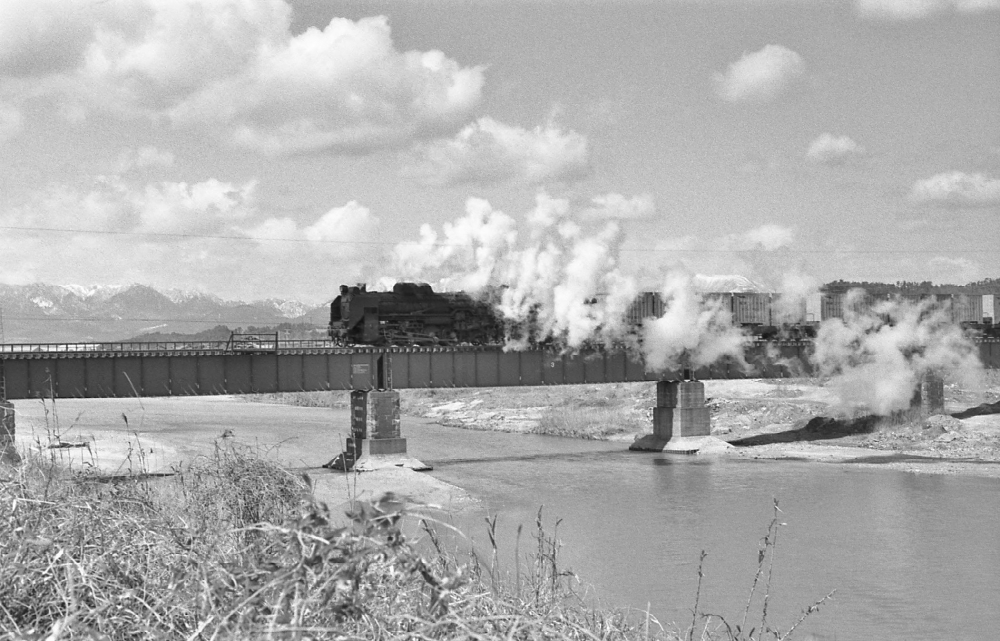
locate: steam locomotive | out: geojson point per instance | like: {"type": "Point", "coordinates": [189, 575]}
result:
{"type": "Point", "coordinates": [414, 314]}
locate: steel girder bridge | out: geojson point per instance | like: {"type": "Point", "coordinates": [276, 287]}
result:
{"type": "Point", "coordinates": [102, 370]}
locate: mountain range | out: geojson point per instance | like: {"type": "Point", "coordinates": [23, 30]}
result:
{"type": "Point", "coordinates": [41, 313]}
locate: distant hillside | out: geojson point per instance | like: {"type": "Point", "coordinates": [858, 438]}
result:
{"type": "Point", "coordinates": [42, 313]}
{"type": "Point", "coordinates": [986, 286]}
{"type": "Point", "coordinates": [285, 331]}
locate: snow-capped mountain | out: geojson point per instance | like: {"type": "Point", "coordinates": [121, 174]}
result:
{"type": "Point", "coordinates": [733, 283]}
{"type": "Point", "coordinates": [52, 313]}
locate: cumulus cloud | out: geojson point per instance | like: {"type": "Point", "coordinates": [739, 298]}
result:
{"type": "Point", "coordinates": [205, 207]}
{"type": "Point", "coordinates": [488, 151]}
{"type": "Point", "coordinates": [618, 207]}
{"type": "Point", "coordinates": [235, 64]}
{"type": "Point", "coordinates": [342, 233]}
{"type": "Point", "coordinates": [760, 253]}
{"type": "Point", "coordinates": [957, 189]}
{"type": "Point", "coordinates": [204, 235]}
{"type": "Point", "coordinates": [760, 76]}
{"type": "Point", "coordinates": [768, 237]}
{"type": "Point", "coordinates": [828, 149]}
{"type": "Point", "coordinates": [902, 10]}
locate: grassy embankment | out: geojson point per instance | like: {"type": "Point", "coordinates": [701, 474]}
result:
{"type": "Point", "coordinates": [232, 547]}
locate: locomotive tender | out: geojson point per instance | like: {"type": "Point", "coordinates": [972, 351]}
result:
{"type": "Point", "coordinates": [414, 314]}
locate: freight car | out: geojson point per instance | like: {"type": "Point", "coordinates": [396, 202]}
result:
{"type": "Point", "coordinates": [412, 314]}
{"type": "Point", "coordinates": [764, 315]}
{"type": "Point", "coordinates": [768, 316]}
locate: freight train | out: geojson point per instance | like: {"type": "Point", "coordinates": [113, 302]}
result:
{"type": "Point", "coordinates": [769, 316]}
{"type": "Point", "coordinates": [414, 314]}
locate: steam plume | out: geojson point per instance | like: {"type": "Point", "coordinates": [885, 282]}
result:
{"type": "Point", "coordinates": [561, 272]}
{"type": "Point", "coordinates": [691, 332]}
{"type": "Point", "coordinates": [875, 359]}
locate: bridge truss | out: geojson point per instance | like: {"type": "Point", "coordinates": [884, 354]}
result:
{"type": "Point", "coordinates": [99, 370]}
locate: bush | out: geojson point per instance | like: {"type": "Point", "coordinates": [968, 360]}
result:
{"type": "Point", "coordinates": [232, 547]}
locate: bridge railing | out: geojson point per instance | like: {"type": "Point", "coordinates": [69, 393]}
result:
{"type": "Point", "coordinates": [156, 346]}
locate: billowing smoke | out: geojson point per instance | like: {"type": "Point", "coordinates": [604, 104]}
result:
{"type": "Point", "coordinates": [468, 255]}
{"type": "Point", "coordinates": [798, 300]}
{"type": "Point", "coordinates": [876, 357]}
{"type": "Point", "coordinates": [692, 331]}
{"type": "Point", "coordinates": [559, 273]}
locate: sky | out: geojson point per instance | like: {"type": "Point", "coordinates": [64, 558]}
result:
{"type": "Point", "coordinates": [261, 148]}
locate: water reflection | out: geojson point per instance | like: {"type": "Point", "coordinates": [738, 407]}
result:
{"type": "Point", "coordinates": [911, 556]}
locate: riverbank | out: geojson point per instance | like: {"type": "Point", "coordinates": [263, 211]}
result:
{"type": "Point", "coordinates": [232, 546]}
{"type": "Point", "coordinates": [763, 418]}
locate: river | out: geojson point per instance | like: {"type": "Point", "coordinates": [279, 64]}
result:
{"type": "Point", "coordinates": [911, 556]}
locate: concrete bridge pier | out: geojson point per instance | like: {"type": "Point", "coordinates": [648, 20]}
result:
{"type": "Point", "coordinates": [375, 441]}
{"type": "Point", "coordinates": [681, 421]}
{"type": "Point", "coordinates": [8, 451]}
{"type": "Point", "coordinates": [929, 395]}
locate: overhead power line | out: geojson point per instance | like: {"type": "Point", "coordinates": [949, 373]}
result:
{"type": "Point", "coordinates": [99, 319]}
{"type": "Point", "coordinates": [655, 250]}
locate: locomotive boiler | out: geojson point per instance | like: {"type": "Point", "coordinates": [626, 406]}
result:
{"type": "Point", "coordinates": [412, 314]}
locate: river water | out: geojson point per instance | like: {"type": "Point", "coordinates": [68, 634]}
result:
{"type": "Point", "coordinates": [911, 556]}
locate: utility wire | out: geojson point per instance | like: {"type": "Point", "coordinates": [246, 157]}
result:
{"type": "Point", "coordinates": [89, 319]}
{"type": "Point", "coordinates": [704, 250]}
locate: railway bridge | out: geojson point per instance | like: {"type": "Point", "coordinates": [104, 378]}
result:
{"type": "Point", "coordinates": [372, 375]}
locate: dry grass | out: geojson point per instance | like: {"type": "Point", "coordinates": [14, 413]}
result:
{"type": "Point", "coordinates": [232, 547]}
{"type": "Point", "coordinates": [338, 399]}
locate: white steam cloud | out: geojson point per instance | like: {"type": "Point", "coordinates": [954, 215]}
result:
{"type": "Point", "coordinates": [691, 332]}
{"type": "Point", "coordinates": [559, 271]}
{"type": "Point", "coordinates": [875, 360]}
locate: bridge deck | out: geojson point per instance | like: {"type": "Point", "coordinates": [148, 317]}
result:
{"type": "Point", "coordinates": [186, 369]}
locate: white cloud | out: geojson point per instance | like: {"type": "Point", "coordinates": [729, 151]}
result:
{"type": "Point", "coordinates": [10, 122]}
{"type": "Point", "coordinates": [957, 189]}
{"type": "Point", "coordinates": [179, 208]}
{"type": "Point", "coordinates": [488, 151]}
{"type": "Point", "coordinates": [760, 254]}
{"type": "Point", "coordinates": [760, 76]}
{"type": "Point", "coordinates": [207, 207]}
{"type": "Point", "coordinates": [619, 207]}
{"type": "Point", "coordinates": [207, 235]}
{"type": "Point", "coordinates": [235, 64]}
{"type": "Point", "coordinates": [351, 223]}
{"type": "Point", "coordinates": [902, 10]}
{"type": "Point", "coordinates": [828, 149]}
{"type": "Point", "coordinates": [767, 237]}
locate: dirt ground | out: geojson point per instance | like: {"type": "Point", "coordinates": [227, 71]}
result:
{"type": "Point", "coordinates": [762, 418]}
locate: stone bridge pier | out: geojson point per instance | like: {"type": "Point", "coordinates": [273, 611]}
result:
{"type": "Point", "coordinates": [681, 421]}
{"type": "Point", "coordinates": [929, 395]}
{"type": "Point", "coordinates": [376, 440]}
